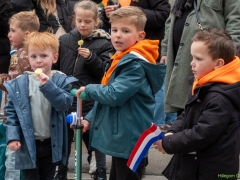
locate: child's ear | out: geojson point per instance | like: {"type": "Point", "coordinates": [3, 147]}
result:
{"type": "Point", "coordinates": [27, 32]}
{"type": "Point", "coordinates": [219, 63]}
{"type": "Point", "coordinates": [141, 35]}
{"type": "Point", "coordinates": [55, 58]}
{"type": "Point", "coordinates": [97, 23]}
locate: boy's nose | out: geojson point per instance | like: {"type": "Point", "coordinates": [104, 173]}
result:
{"type": "Point", "coordinates": [191, 63]}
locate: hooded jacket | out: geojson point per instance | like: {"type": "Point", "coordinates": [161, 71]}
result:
{"type": "Point", "coordinates": [206, 140]}
{"type": "Point", "coordinates": [19, 124]}
{"type": "Point", "coordinates": [179, 69]}
{"type": "Point", "coordinates": [87, 71]}
{"type": "Point", "coordinates": [124, 107]}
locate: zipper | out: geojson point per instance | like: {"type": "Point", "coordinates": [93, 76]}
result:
{"type": "Point", "coordinates": [75, 64]}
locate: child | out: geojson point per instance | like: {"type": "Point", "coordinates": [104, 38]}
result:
{"type": "Point", "coordinates": [35, 126]}
{"type": "Point", "coordinates": [124, 102]}
{"type": "Point", "coordinates": [205, 137]}
{"type": "Point", "coordinates": [20, 24]}
{"type": "Point", "coordinates": [86, 62]}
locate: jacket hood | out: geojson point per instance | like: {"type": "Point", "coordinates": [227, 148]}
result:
{"type": "Point", "coordinates": [228, 81]}
{"type": "Point", "coordinates": [147, 48]}
{"type": "Point", "coordinates": [155, 73]}
{"type": "Point", "coordinates": [100, 33]}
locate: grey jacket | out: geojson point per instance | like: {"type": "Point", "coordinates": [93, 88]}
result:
{"type": "Point", "coordinates": [19, 125]}
{"type": "Point", "coordinates": [213, 14]}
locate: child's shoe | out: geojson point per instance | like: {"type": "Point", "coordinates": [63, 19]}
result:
{"type": "Point", "coordinates": [62, 173]}
{"type": "Point", "coordinates": [100, 174]}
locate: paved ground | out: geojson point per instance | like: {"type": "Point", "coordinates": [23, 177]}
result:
{"type": "Point", "coordinates": [157, 162]}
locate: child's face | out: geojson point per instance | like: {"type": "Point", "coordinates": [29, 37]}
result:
{"type": "Point", "coordinates": [202, 62]}
{"type": "Point", "coordinates": [124, 34]}
{"type": "Point", "coordinates": [85, 22]}
{"type": "Point", "coordinates": [42, 58]}
{"type": "Point", "coordinates": [16, 35]}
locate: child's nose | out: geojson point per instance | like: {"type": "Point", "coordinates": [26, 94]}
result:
{"type": "Point", "coordinates": [191, 63]}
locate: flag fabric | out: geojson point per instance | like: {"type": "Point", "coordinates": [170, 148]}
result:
{"type": "Point", "coordinates": [147, 138]}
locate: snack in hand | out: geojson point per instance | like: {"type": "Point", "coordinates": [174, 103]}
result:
{"type": "Point", "coordinates": [38, 71]}
{"type": "Point", "coordinates": [80, 42]}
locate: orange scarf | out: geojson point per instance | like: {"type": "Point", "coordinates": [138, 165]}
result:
{"type": "Point", "coordinates": [228, 74]}
{"type": "Point", "coordinates": [147, 48]}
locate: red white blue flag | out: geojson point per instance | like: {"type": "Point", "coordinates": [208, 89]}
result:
{"type": "Point", "coordinates": [147, 138]}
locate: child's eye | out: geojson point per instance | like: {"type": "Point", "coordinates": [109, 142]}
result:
{"type": "Point", "coordinates": [114, 30]}
{"type": "Point", "coordinates": [44, 55]}
{"type": "Point", "coordinates": [125, 31]}
{"type": "Point", "coordinates": [33, 56]}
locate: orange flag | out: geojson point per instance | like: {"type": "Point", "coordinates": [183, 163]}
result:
{"type": "Point", "coordinates": [122, 2]}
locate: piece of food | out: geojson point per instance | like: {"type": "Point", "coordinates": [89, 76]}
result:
{"type": "Point", "coordinates": [38, 71]}
{"type": "Point", "coordinates": [80, 42]}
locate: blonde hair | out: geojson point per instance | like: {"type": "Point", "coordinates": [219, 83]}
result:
{"type": "Point", "coordinates": [48, 6]}
{"type": "Point", "coordinates": [27, 21]}
{"type": "Point", "coordinates": [131, 13]}
{"type": "Point", "coordinates": [41, 40]}
{"type": "Point", "coordinates": [87, 5]}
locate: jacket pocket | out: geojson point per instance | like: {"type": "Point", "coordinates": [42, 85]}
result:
{"type": "Point", "coordinates": [214, 4]}
{"type": "Point", "coordinates": [188, 165]}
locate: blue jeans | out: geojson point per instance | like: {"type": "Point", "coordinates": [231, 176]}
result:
{"type": "Point", "coordinates": [11, 173]}
{"type": "Point", "coordinates": [160, 118]}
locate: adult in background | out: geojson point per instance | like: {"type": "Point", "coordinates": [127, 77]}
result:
{"type": "Point", "coordinates": [47, 12]}
{"type": "Point", "coordinates": [5, 14]}
{"type": "Point", "coordinates": [181, 26]}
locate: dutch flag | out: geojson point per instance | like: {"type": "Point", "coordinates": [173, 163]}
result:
{"type": "Point", "coordinates": [147, 138]}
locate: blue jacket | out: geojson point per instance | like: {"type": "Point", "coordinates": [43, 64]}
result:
{"type": "Point", "coordinates": [19, 124]}
{"type": "Point", "coordinates": [124, 108]}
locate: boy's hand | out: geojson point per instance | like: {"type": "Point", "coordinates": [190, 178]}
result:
{"type": "Point", "coordinates": [79, 91]}
{"type": "Point", "coordinates": [84, 52]}
{"type": "Point", "coordinates": [163, 60]}
{"type": "Point", "coordinates": [43, 78]}
{"type": "Point", "coordinates": [86, 125]}
{"type": "Point", "coordinates": [14, 145]}
{"type": "Point", "coordinates": [158, 145]}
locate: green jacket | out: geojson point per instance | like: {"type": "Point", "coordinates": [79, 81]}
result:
{"type": "Point", "coordinates": [213, 14]}
{"type": "Point", "coordinates": [124, 108]}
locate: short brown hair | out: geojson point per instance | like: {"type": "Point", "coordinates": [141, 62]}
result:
{"type": "Point", "coordinates": [219, 42]}
{"type": "Point", "coordinates": [27, 21]}
{"type": "Point", "coordinates": [134, 14]}
{"type": "Point", "coordinates": [41, 40]}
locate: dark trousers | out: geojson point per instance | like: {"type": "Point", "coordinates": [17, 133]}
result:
{"type": "Point", "coordinates": [85, 137]}
{"type": "Point", "coordinates": [120, 170]}
{"type": "Point", "coordinates": [45, 168]}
